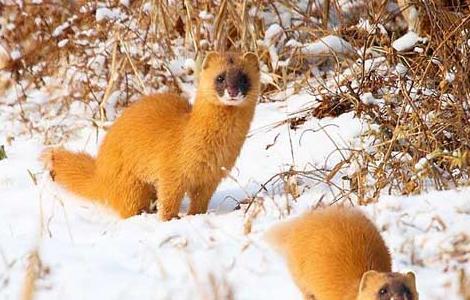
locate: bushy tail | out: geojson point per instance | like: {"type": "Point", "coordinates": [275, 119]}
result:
{"type": "Point", "coordinates": [74, 171]}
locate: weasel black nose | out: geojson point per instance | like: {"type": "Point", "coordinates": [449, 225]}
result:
{"type": "Point", "coordinates": [243, 83]}
{"type": "Point", "coordinates": [400, 291]}
{"type": "Point", "coordinates": [239, 81]}
{"type": "Point", "coordinates": [233, 91]}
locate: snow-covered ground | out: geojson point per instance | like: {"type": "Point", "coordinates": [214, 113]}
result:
{"type": "Point", "coordinates": [88, 253]}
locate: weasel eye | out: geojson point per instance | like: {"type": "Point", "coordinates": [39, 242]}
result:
{"type": "Point", "coordinates": [383, 291]}
{"type": "Point", "coordinates": [220, 78]}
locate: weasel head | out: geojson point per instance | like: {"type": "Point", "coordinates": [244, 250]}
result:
{"type": "Point", "coordinates": [230, 79]}
{"type": "Point", "coordinates": [387, 286]}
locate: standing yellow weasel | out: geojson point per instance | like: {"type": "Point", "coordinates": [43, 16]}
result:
{"type": "Point", "coordinates": [162, 143]}
{"type": "Point", "coordinates": [338, 254]}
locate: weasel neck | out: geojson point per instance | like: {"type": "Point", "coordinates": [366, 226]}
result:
{"type": "Point", "coordinates": [217, 132]}
{"type": "Point", "coordinates": [221, 118]}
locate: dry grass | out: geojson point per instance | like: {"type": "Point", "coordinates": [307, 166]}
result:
{"type": "Point", "coordinates": [3, 154]}
{"type": "Point", "coordinates": [421, 134]}
{"type": "Point", "coordinates": [32, 274]}
{"type": "Point", "coordinates": [464, 284]}
{"type": "Point", "coordinates": [419, 137]}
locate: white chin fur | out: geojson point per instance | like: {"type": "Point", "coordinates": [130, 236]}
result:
{"type": "Point", "coordinates": [232, 101]}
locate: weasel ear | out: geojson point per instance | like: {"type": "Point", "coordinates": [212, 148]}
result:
{"type": "Point", "coordinates": [366, 277]}
{"type": "Point", "coordinates": [252, 59]}
{"type": "Point", "coordinates": [210, 58]}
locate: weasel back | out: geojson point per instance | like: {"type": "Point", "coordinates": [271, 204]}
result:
{"type": "Point", "coordinates": [328, 251]}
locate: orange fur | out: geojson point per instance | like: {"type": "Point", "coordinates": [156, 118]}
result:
{"type": "Point", "coordinates": [162, 143]}
{"type": "Point", "coordinates": [329, 250]}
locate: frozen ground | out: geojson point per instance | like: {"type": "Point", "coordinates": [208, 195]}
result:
{"type": "Point", "coordinates": [87, 253]}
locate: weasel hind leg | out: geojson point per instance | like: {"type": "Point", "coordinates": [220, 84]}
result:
{"type": "Point", "coordinates": [131, 197]}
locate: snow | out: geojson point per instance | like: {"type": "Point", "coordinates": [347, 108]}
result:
{"type": "Point", "coordinates": [60, 29]}
{"type": "Point", "coordinates": [272, 34]}
{"type": "Point", "coordinates": [147, 7]}
{"type": "Point", "coordinates": [62, 43]}
{"type": "Point", "coordinates": [293, 43]}
{"type": "Point", "coordinates": [422, 163]}
{"type": "Point", "coordinates": [450, 77]}
{"type": "Point", "coordinates": [104, 13]}
{"type": "Point", "coordinates": [205, 15]}
{"type": "Point", "coordinates": [407, 41]}
{"type": "Point", "coordinates": [190, 64]}
{"type": "Point", "coordinates": [369, 99]}
{"type": "Point", "coordinates": [177, 67]}
{"type": "Point", "coordinates": [401, 69]}
{"type": "Point", "coordinates": [328, 44]}
{"type": "Point", "coordinates": [10, 26]}
{"type": "Point", "coordinates": [125, 2]}
{"type": "Point", "coordinates": [371, 28]}
{"type": "Point", "coordinates": [15, 54]}
{"type": "Point", "coordinates": [91, 254]}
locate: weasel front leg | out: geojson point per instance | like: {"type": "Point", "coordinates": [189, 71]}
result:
{"type": "Point", "coordinates": [170, 195]}
{"type": "Point", "coordinates": [200, 197]}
